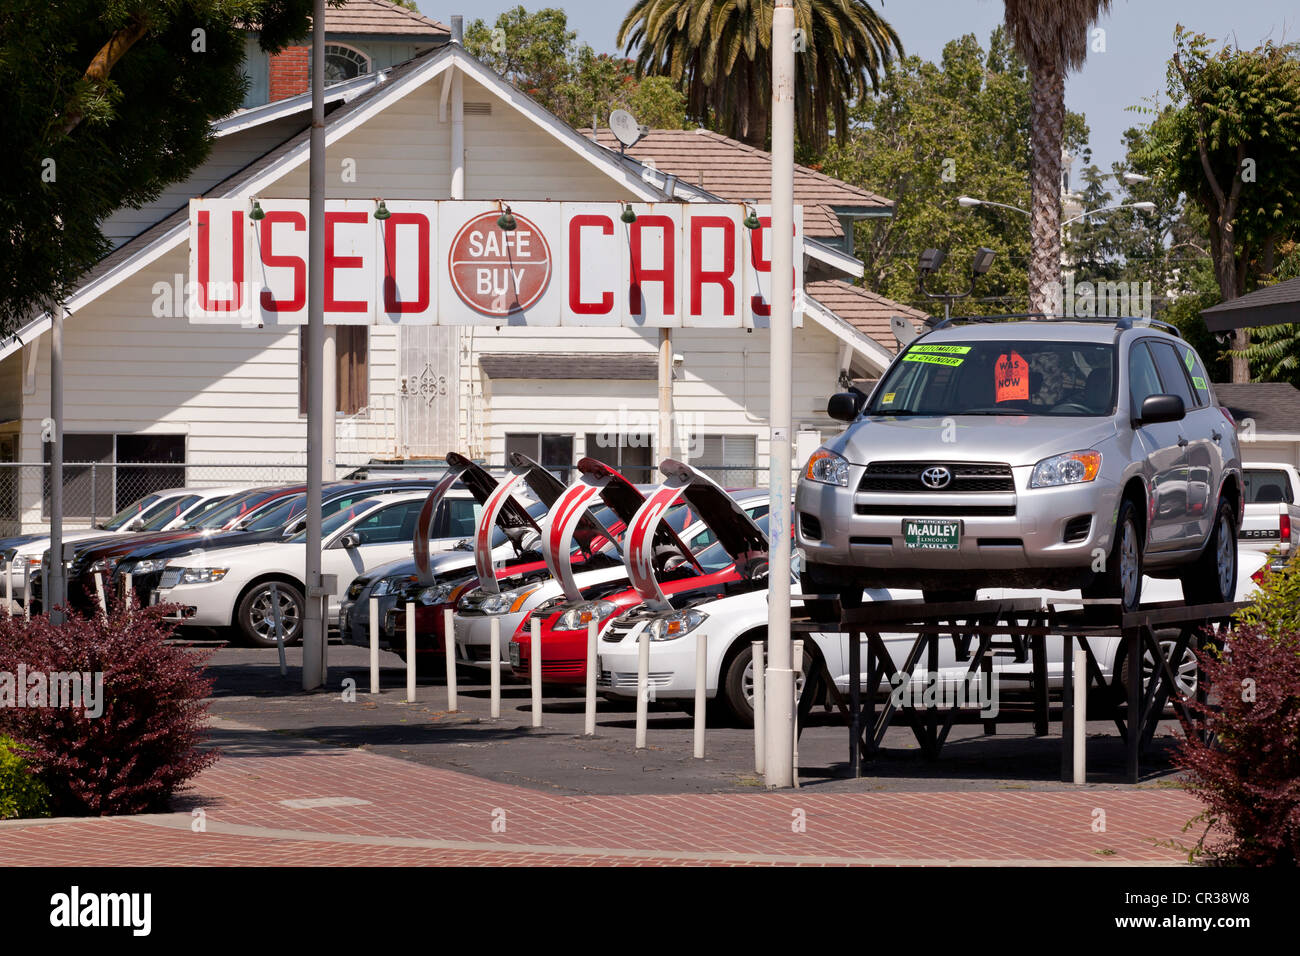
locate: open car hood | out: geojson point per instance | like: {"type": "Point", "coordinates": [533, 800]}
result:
{"type": "Point", "coordinates": [737, 532]}
{"type": "Point", "coordinates": [511, 517]}
{"type": "Point", "coordinates": [565, 520]}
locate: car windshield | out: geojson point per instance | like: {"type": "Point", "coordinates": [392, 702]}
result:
{"type": "Point", "coordinates": [234, 508]}
{"type": "Point", "coordinates": [165, 512]}
{"type": "Point", "coordinates": [278, 514]}
{"type": "Point", "coordinates": [999, 378]}
{"type": "Point", "coordinates": [337, 520]}
{"type": "Point", "coordinates": [132, 511]}
{"type": "Point", "coordinates": [1265, 486]}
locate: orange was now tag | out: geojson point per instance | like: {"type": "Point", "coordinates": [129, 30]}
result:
{"type": "Point", "coordinates": [1011, 373]}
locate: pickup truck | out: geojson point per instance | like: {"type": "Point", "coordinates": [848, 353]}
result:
{"type": "Point", "coordinates": [1272, 514]}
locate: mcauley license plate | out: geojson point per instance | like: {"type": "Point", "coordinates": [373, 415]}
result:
{"type": "Point", "coordinates": [927, 534]}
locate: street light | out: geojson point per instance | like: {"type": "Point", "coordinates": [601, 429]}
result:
{"type": "Point", "coordinates": [1143, 206]}
{"type": "Point", "coordinates": [967, 202]}
{"type": "Point", "coordinates": [932, 259]}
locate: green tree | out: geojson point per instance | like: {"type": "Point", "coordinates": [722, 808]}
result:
{"type": "Point", "coordinates": [1229, 139]}
{"type": "Point", "coordinates": [108, 103]}
{"type": "Point", "coordinates": [1052, 38]}
{"type": "Point", "coordinates": [936, 132]}
{"type": "Point", "coordinates": [540, 55]}
{"type": "Point", "coordinates": [719, 53]}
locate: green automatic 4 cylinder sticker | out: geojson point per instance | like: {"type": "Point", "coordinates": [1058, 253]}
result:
{"type": "Point", "coordinates": [936, 354]}
{"type": "Point", "coordinates": [948, 349]}
{"type": "Point", "coordinates": [932, 359]}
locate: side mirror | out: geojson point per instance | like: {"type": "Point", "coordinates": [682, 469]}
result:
{"type": "Point", "coordinates": [844, 406]}
{"type": "Point", "coordinates": [1161, 408]}
{"type": "Point", "coordinates": [137, 525]}
{"type": "Point", "coordinates": [349, 541]}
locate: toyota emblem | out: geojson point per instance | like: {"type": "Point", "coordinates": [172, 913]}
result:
{"type": "Point", "coordinates": [936, 476]}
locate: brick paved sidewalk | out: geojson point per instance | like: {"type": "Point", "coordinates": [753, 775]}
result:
{"type": "Point", "coordinates": [305, 803]}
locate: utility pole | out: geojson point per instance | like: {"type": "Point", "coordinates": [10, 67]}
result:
{"type": "Point", "coordinates": [665, 438]}
{"type": "Point", "coordinates": [779, 704]}
{"type": "Point", "coordinates": [56, 580]}
{"type": "Point", "coordinates": [313, 625]}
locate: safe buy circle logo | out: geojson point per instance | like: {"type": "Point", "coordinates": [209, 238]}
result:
{"type": "Point", "coordinates": [499, 273]}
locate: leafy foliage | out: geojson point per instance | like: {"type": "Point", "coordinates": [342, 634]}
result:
{"type": "Point", "coordinates": [144, 745]}
{"type": "Point", "coordinates": [937, 131]}
{"type": "Point", "coordinates": [540, 55]}
{"type": "Point", "coordinates": [22, 795]}
{"type": "Point", "coordinates": [1248, 776]}
{"type": "Point", "coordinates": [1275, 609]}
{"type": "Point", "coordinates": [719, 53]}
{"type": "Point", "coordinates": [108, 103]}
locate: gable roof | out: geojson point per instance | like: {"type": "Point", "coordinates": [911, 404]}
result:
{"type": "Point", "coordinates": [736, 172]}
{"type": "Point", "coordinates": [382, 18]}
{"type": "Point", "coordinates": [866, 311]}
{"type": "Point", "coordinates": [1274, 406]}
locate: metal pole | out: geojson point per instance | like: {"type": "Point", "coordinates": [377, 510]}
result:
{"type": "Point", "coordinates": [1080, 714]}
{"type": "Point", "coordinates": [449, 649]}
{"type": "Point", "coordinates": [589, 722]}
{"type": "Point", "coordinates": [374, 645]}
{"type": "Point", "coordinates": [757, 651]}
{"type": "Point", "coordinates": [55, 595]}
{"type": "Point", "coordinates": [494, 673]}
{"type": "Point", "coordinates": [9, 588]}
{"type": "Point", "coordinates": [313, 629]}
{"type": "Point", "coordinates": [796, 649]}
{"type": "Point", "coordinates": [278, 622]}
{"type": "Point", "coordinates": [642, 688]}
{"type": "Point", "coordinates": [329, 391]}
{"type": "Point", "coordinates": [779, 745]}
{"type": "Point", "coordinates": [100, 595]}
{"type": "Point", "coordinates": [665, 438]}
{"type": "Point", "coordinates": [534, 668]}
{"type": "Point", "coordinates": [701, 696]}
{"type": "Point", "coordinates": [410, 652]}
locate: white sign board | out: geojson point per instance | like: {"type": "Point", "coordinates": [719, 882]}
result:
{"type": "Point", "coordinates": [451, 263]}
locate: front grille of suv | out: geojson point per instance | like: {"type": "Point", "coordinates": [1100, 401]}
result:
{"type": "Point", "coordinates": [905, 476]}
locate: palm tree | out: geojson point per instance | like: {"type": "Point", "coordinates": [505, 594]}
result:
{"type": "Point", "coordinates": [1052, 38]}
{"type": "Point", "coordinates": [719, 52]}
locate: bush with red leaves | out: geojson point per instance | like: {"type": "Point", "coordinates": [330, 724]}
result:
{"type": "Point", "coordinates": [1248, 776]}
{"type": "Point", "coordinates": [144, 745]}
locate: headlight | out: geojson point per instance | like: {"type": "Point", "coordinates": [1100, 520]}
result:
{"type": "Point", "coordinates": [506, 602]}
{"type": "Point", "coordinates": [393, 584]}
{"type": "Point", "coordinates": [145, 566]}
{"type": "Point", "coordinates": [827, 468]}
{"type": "Point", "coordinates": [1072, 468]}
{"type": "Point", "coordinates": [434, 594]}
{"type": "Point", "coordinates": [202, 575]}
{"type": "Point", "coordinates": [102, 566]}
{"type": "Point", "coordinates": [673, 626]}
{"type": "Point", "coordinates": [578, 617]}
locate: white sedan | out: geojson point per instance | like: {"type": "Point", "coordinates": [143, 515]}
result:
{"type": "Point", "coordinates": [232, 587]}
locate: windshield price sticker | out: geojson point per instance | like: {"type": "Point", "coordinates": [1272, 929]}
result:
{"type": "Point", "coordinates": [933, 359]}
{"type": "Point", "coordinates": [1011, 378]}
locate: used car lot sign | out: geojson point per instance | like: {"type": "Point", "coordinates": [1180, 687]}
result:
{"type": "Point", "coordinates": [452, 263]}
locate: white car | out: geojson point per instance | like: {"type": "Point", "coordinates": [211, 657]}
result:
{"type": "Point", "coordinates": [730, 625]}
{"type": "Point", "coordinates": [232, 586]}
{"type": "Point", "coordinates": [1271, 518]}
{"type": "Point", "coordinates": [157, 511]}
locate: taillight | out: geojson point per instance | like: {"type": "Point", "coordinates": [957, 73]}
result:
{"type": "Point", "coordinates": [1228, 415]}
{"type": "Point", "coordinates": [1284, 527]}
{"type": "Point", "coordinates": [1258, 576]}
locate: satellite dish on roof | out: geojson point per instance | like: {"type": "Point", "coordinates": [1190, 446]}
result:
{"type": "Point", "coordinates": [626, 129]}
{"type": "Point", "coordinates": [903, 330]}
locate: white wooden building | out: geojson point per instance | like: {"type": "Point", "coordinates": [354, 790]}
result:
{"type": "Point", "coordinates": [140, 380]}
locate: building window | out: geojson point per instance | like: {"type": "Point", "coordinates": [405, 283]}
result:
{"type": "Point", "coordinates": [729, 460]}
{"type": "Point", "coordinates": [630, 455]}
{"type": "Point", "coordinates": [552, 452]}
{"type": "Point", "coordinates": [98, 477]}
{"type": "Point", "coordinates": [344, 63]}
{"type": "Point", "coordinates": [352, 368]}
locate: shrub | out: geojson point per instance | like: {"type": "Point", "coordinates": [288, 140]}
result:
{"type": "Point", "coordinates": [1248, 776]}
{"type": "Point", "coordinates": [1276, 607]}
{"type": "Point", "coordinates": [144, 744]}
{"type": "Point", "coordinates": [21, 792]}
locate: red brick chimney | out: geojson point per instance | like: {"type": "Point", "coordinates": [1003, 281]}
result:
{"type": "Point", "coordinates": [289, 74]}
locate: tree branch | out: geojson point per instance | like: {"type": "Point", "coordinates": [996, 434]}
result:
{"type": "Point", "coordinates": [104, 61]}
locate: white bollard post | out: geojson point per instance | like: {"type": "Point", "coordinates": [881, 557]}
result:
{"type": "Point", "coordinates": [128, 594]}
{"type": "Point", "coordinates": [9, 588]}
{"type": "Point", "coordinates": [1080, 715]}
{"type": "Point", "coordinates": [701, 695]}
{"type": "Point", "coordinates": [494, 675]}
{"type": "Point", "coordinates": [374, 645]}
{"type": "Point", "coordinates": [760, 712]}
{"type": "Point", "coordinates": [535, 668]}
{"type": "Point", "coordinates": [410, 651]}
{"type": "Point", "coordinates": [642, 689]}
{"type": "Point", "coordinates": [277, 621]}
{"type": "Point", "coordinates": [449, 648]}
{"type": "Point", "coordinates": [796, 652]}
{"type": "Point", "coordinates": [100, 596]}
{"type": "Point", "coordinates": [589, 724]}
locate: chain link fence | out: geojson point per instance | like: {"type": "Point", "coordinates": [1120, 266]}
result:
{"type": "Point", "coordinates": [95, 491]}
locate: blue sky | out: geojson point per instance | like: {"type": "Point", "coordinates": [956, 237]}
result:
{"type": "Point", "coordinates": [1138, 42]}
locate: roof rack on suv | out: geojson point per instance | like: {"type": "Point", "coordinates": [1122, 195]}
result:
{"type": "Point", "coordinates": [1121, 324]}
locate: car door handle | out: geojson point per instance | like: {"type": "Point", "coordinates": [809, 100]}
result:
{"type": "Point", "coordinates": [1216, 436]}
{"type": "Point", "coordinates": [1182, 442]}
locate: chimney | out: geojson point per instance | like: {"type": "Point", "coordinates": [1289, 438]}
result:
{"type": "Point", "coordinates": [458, 29]}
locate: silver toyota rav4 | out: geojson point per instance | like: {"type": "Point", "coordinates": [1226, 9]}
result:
{"type": "Point", "coordinates": [1057, 454]}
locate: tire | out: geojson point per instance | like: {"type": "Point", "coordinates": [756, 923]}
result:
{"type": "Point", "coordinates": [945, 597]}
{"type": "Point", "coordinates": [1185, 671]}
{"type": "Point", "coordinates": [1212, 579]}
{"type": "Point", "coordinates": [815, 580]}
{"type": "Point", "coordinates": [737, 686]}
{"type": "Point", "coordinates": [1122, 577]}
{"type": "Point", "coordinates": [253, 619]}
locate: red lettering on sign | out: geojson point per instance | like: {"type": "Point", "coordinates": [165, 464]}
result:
{"type": "Point", "coordinates": [1011, 378]}
{"type": "Point", "coordinates": [640, 274]}
{"type": "Point", "coordinates": [269, 258]}
{"type": "Point", "coordinates": [606, 226]}
{"type": "Point", "coordinates": [722, 277]}
{"type": "Point", "coordinates": [334, 261]}
{"type": "Point", "coordinates": [232, 304]}
{"type": "Point", "coordinates": [421, 223]}
{"type": "Point", "coordinates": [761, 264]}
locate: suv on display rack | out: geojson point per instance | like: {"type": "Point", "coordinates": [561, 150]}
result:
{"type": "Point", "coordinates": [1055, 454]}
